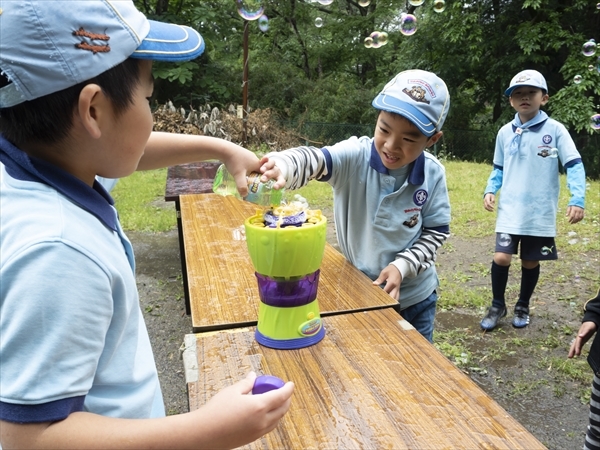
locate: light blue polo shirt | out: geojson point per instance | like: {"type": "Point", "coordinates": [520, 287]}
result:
{"type": "Point", "coordinates": [73, 336]}
{"type": "Point", "coordinates": [529, 194]}
{"type": "Point", "coordinates": [374, 222]}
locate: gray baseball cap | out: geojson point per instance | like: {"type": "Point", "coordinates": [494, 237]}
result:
{"type": "Point", "coordinates": [420, 96]}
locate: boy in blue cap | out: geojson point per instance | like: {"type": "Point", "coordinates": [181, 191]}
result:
{"type": "Point", "coordinates": [526, 158]}
{"type": "Point", "coordinates": [77, 366]}
{"type": "Point", "coordinates": [391, 204]}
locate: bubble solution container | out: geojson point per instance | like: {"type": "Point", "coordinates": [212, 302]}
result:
{"type": "Point", "coordinates": [287, 261]}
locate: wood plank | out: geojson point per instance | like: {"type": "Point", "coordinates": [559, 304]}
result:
{"type": "Point", "coordinates": [372, 382]}
{"type": "Point", "coordinates": [222, 286]}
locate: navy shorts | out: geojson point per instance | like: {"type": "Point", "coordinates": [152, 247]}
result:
{"type": "Point", "coordinates": [533, 248]}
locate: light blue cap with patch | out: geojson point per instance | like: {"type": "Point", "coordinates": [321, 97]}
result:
{"type": "Point", "coordinates": [47, 46]}
{"type": "Point", "coordinates": [420, 96]}
{"type": "Point", "coordinates": [527, 78]}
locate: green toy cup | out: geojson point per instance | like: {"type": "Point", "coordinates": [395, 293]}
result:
{"type": "Point", "coordinates": [286, 252]}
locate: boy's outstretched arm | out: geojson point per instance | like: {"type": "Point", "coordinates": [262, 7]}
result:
{"type": "Point", "coordinates": [171, 149]}
{"type": "Point", "coordinates": [296, 166]}
{"type": "Point", "coordinates": [230, 419]}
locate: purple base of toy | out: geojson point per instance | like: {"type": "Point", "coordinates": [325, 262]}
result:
{"type": "Point", "coordinates": [289, 344]}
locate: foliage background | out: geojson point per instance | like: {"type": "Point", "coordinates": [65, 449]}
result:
{"type": "Point", "coordinates": [307, 74]}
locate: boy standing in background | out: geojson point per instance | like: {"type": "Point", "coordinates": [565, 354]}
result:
{"type": "Point", "coordinates": [77, 368]}
{"type": "Point", "coordinates": [391, 204]}
{"type": "Point", "coordinates": [526, 158]}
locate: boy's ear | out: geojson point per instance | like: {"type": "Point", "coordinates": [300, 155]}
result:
{"type": "Point", "coordinates": [92, 110]}
{"type": "Point", "coordinates": [433, 139]}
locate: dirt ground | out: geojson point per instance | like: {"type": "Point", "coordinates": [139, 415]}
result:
{"type": "Point", "coordinates": [518, 368]}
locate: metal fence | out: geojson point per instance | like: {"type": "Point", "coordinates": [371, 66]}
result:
{"type": "Point", "coordinates": [464, 145]}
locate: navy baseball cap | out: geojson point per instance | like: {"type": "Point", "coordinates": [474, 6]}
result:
{"type": "Point", "coordinates": [527, 78]}
{"type": "Point", "coordinates": [420, 96]}
{"type": "Point", "coordinates": [50, 45]}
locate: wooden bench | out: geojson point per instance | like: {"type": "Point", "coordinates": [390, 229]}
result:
{"type": "Point", "coordinates": [373, 382]}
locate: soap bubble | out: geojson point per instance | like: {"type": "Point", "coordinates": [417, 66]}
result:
{"type": "Point", "coordinates": [375, 39]}
{"type": "Point", "coordinates": [595, 121]}
{"type": "Point", "coordinates": [416, 2]}
{"type": "Point", "coordinates": [318, 22]}
{"type": "Point", "coordinates": [589, 48]}
{"type": "Point", "coordinates": [577, 79]}
{"type": "Point", "coordinates": [250, 9]}
{"type": "Point", "coordinates": [263, 23]}
{"type": "Point", "coordinates": [439, 6]}
{"type": "Point", "coordinates": [383, 38]}
{"type": "Point", "coordinates": [368, 42]}
{"type": "Point", "coordinates": [591, 67]}
{"type": "Point", "coordinates": [364, 3]}
{"type": "Point", "coordinates": [408, 25]}
{"type": "Point", "coordinates": [325, 2]}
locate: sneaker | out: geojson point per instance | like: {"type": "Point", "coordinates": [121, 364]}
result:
{"type": "Point", "coordinates": [489, 322]}
{"type": "Point", "coordinates": [521, 317]}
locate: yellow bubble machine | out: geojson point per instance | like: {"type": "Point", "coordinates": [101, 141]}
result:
{"type": "Point", "coordinates": [287, 252]}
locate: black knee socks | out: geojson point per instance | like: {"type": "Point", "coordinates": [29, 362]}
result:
{"type": "Point", "coordinates": [499, 280]}
{"type": "Point", "coordinates": [529, 279]}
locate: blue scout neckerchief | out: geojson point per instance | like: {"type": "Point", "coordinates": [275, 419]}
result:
{"type": "Point", "coordinates": [519, 128]}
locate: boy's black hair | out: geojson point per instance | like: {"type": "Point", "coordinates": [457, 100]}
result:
{"type": "Point", "coordinates": [49, 119]}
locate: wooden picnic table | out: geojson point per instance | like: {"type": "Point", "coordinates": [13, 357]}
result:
{"type": "Point", "coordinates": [373, 382]}
{"type": "Point", "coordinates": [223, 291]}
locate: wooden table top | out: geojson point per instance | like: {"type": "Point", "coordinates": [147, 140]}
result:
{"type": "Point", "coordinates": [222, 286]}
{"type": "Point", "coordinates": [372, 382]}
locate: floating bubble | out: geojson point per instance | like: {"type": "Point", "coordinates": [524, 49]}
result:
{"type": "Point", "coordinates": [416, 2]}
{"type": "Point", "coordinates": [325, 2]}
{"type": "Point", "coordinates": [318, 22]}
{"type": "Point", "coordinates": [263, 23]}
{"type": "Point", "coordinates": [375, 39]}
{"type": "Point", "coordinates": [383, 38]}
{"type": "Point", "coordinates": [504, 240]}
{"type": "Point", "coordinates": [595, 121]}
{"type": "Point", "coordinates": [250, 9]}
{"type": "Point", "coordinates": [408, 25]}
{"type": "Point", "coordinates": [598, 6]}
{"type": "Point", "coordinates": [368, 42]}
{"type": "Point", "coordinates": [577, 79]}
{"type": "Point", "coordinates": [589, 48]}
{"type": "Point", "coordinates": [545, 251]}
{"type": "Point", "coordinates": [439, 6]}
{"type": "Point", "coordinates": [364, 3]}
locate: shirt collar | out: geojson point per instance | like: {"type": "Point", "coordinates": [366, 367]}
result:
{"type": "Point", "coordinates": [23, 167]}
{"type": "Point", "coordinates": [417, 172]}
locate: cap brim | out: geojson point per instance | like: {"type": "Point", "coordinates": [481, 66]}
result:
{"type": "Point", "coordinates": [392, 104]}
{"type": "Point", "coordinates": [170, 42]}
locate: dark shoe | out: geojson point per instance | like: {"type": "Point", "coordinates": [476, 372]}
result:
{"type": "Point", "coordinates": [489, 322]}
{"type": "Point", "coordinates": [521, 318]}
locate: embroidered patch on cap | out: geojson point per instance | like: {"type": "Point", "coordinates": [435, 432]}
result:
{"type": "Point", "coordinates": [88, 41]}
{"type": "Point", "coordinates": [417, 93]}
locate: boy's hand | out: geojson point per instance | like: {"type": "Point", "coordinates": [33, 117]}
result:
{"type": "Point", "coordinates": [575, 214]}
{"type": "Point", "coordinates": [234, 417]}
{"type": "Point", "coordinates": [392, 278]}
{"type": "Point", "coordinates": [489, 201]}
{"type": "Point", "coordinates": [585, 332]}
{"type": "Point", "coordinates": [271, 172]}
{"type": "Point", "coordinates": [240, 164]}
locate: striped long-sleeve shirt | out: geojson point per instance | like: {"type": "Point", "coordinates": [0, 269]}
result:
{"type": "Point", "coordinates": [381, 218]}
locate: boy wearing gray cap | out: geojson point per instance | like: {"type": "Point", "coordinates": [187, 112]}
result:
{"type": "Point", "coordinates": [391, 204]}
{"type": "Point", "coordinates": [77, 367]}
{"type": "Point", "coordinates": [526, 158]}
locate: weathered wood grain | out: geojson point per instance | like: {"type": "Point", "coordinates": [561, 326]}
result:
{"type": "Point", "coordinates": [371, 383]}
